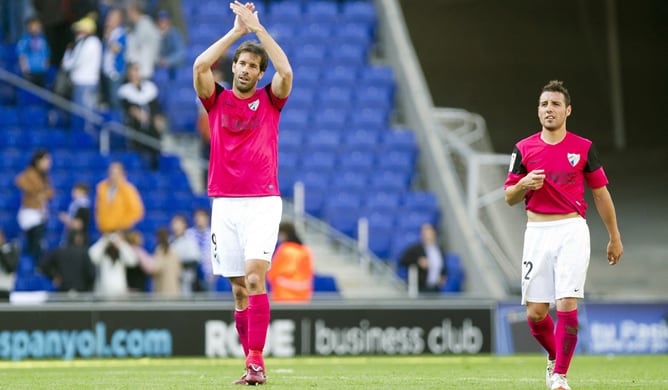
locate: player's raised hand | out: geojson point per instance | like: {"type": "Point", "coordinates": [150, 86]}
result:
{"type": "Point", "coordinates": [246, 16]}
{"type": "Point", "coordinates": [239, 24]}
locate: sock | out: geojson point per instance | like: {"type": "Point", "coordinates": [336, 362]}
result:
{"type": "Point", "coordinates": [543, 332]}
{"type": "Point", "coordinates": [566, 339]}
{"type": "Point", "coordinates": [258, 323]}
{"type": "Point", "coordinates": [241, 322]}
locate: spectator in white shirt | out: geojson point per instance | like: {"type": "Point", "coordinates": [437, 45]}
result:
{"type": "Point", "coordinates": [83, 61]}
{"type": "Point", "coordinates": [112, 254]}
{"type": "Point", "coordinates": [184, 244]}
{"type": "Point", "coordinates": [143, 40]}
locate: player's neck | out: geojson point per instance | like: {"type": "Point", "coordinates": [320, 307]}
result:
{"type": "Point", "coordinates": [243, 95]}
{"type": "Point", "coordinates": [553, 137]}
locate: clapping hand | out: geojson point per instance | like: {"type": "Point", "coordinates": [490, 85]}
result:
{"type": "Point", "coordinates": [246, 19]}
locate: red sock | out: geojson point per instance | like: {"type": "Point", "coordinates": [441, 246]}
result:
{"type": "Point", "coordinates": [241, 322]}
{"type": "Point", "coordinates": [543, 332]}
{"type": "Point", "coordinates": [566, 339]}
{"type": "Point", "coordinates": [258, 323]}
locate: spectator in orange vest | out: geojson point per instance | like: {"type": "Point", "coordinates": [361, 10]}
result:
{"type": "Point", "coordinates": [291, 273]}
{"type": "Point", "coordinates": [118, 205]}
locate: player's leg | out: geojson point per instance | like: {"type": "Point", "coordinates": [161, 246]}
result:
{"type": "Point", "coordinates": [570, 276]}
{"type": "Point", "coordinates": [258, 237]}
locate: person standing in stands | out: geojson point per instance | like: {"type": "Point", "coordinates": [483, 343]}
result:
{"type": "Point", "coordinates": [83, 60]}
{"type": "Point", "coordinates": [143, 40]}
{"type": "Point", "coordinates": [243, 183]}
{"type": "Point", "coordinates": [69, 266]}
{"type": "Point", "coordinates": [36, 191]}
{"type": "Point", "coordinates": [77, 217]}
{"type": "Point", "coordinates": [172, 47]}
{"type": "Point", "coordinates": [118, 205]}
{"type": "Point", "coordinates": [428, 256]}
{"type": "Point", "coordinates": [113, 58]}
{"type": "Point", "coordinates": [548, 171]}
{"type": "Point", "coordinates": [34, 53]}
{"type": "Point", "coordinates": [291, 273]}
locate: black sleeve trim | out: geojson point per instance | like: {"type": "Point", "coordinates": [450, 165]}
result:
{"type": "Point", "coordinates": [516, 165]}
{"type": "Point", "coordinates": [267, 89]}
{"type": "Point", "coordinates": [593, 162]}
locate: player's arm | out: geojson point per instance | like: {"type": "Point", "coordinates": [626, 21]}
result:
{"type": "Point", "coordinates": [203, 80]}
{"type": "Point", "coordinates": [281, 84]}
{"type": "Point", "coordinates": [606, 209]}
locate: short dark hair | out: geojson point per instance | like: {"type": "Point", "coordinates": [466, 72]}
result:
{"type": "Point", "coordinates": [253, 47]}
{"type": "Point", "coordinates": [557, 86]}
{"type": "Point", "coordinates": [290, 232]}
{"type": "Point", "coordinates": [83, 187]}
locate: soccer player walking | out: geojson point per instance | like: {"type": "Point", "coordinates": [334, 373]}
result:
{"type": "Point", "coordinates": [548, 170]}
{"type": "Point", "coordinates": [246, 208]}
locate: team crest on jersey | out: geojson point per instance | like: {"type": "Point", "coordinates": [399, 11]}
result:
{"type": "Point", "coordinates": [254, 105]}
{"type": "Point", "coordinates": [573, 158]}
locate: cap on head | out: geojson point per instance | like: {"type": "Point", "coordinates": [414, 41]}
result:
{"type": "Point", "coordinates": [163, 15]}
{"type": "Point", "coordinates": [85, 25]}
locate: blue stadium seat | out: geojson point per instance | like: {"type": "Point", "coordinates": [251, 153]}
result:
{"type": "Point", "coordinates": [295, 119]}
{"type": "Point", "coordinates": [341, 76]}
{"type": "Point", "coordinates": [349, 180]}
{"type": "Point", "coordinates": [282, 32]}
{"type": "Point", "coordinates": [222, 284]}
{"type": "Point", "coordinates": [307, 77]}
{"type": "Point", "coordinates": [456, 274]}
{"type": "Point", "coordinates": [401, 161]}
{"type": "Point", "coordinates": [422, 201]}
{"type": "Point", "coordinates": [301, 98]}
{"type": "Point", "coordinates": [355, 159]}
{"type": "Point", "coordinates": [374, 96]}
{"type": "Point", "coordinates": [331, 118]}
{"type": "Point", "coordinates": [370, 118]}
{"type": "Point", "coordinates": [321, 11]}
{"type": "Point", "coordinates": [399, 140]}
{"type": "Point", "coordinates": [325, 283]}
{"type": "Point", "coordinates": [353, 32]}
{"type": "Point", "coordinates": [382, 201]}
{"type": "Point", "coordinates": [290, 140]}
{"type": "Point", "coordinates": [361, 139]}
{"type": "Point", "coordinates": [12, 159]}
{"type": "Point", "coordinates": [315, 33]}
{"type": "Point", "coordinates": [379, 75]}
{"type": "Point", "coordinates": [15, 139]}
{"type": "Point", "coordinates": [337, 97]}
{"type": "Point", "coordinates": [316, 187]}
{"type": "Point", "coordinates": [169, 163]}
{"type": "Point", "coordinates": [319, 159]}
{"type": "Point", "coordinates": [287, 176]}
{"type": "Point", "coordinates": [7, 94]}
{"type": "Point", "coordinates": [381, 228]}
{"type": "Point", "coordinates": [289, 159]}
{"type": "Point", "coordinates": [348, 54]}
{"type": "Point", "coordinates": [32, 116]}
{"type": "Point", "coordinates": [25, 98]}
{"type": "Point", "coordinates": [359, 11]}
{"type": "Point", "coordinates": [341, 210]}
{"type": "Point", "coordinates": [310, 55]}
{"type": "Point", "coordinates": [322, 140]}
{"type": "Point", "coordinates": [9, 115]}
{"type": "Point", "coordinates": [413, 220]}
{"type": "Point", "coordinates": [286, 11]}
{"type": "Point", "coordinates": [390, 180]}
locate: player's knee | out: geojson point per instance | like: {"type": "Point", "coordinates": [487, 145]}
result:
{"type": "Point", "coordinates": [254, 282]}
{"type": "Point", "coordinates": [536, 315]}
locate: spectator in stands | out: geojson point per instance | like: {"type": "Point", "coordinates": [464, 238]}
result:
{"type": "Point", "coordinates": [83, 60]}
{"type": "Point", "coordinates": [201, 231]}
{"type": "Point", "coordinates": [69, 266]}
{"type": "Point", "coordinates": [137, 275]}
{"type": "Point", "coordinates": [113, 58]}
{"type": "Point", "coordinates": [291, 273]}
{"type": "Point", "coordinates": [141, 111]}
{"type": "Point", "coordinates": [172, 47]}
{"type": "Point", "coordinates": [118, 205]}
{"type": "Point", "coordinates": [166, 270]}
{"type": "Point", "coordinates": [36, 191]}
{"type": "Point", "coordinates": [112, 254]}
{"type": "Point", "coordinates": [143, 40]}
{"type": "Point", "coordinates": [186, 248]}
{"type": "Point", "coordinates": [9, 261]}
{"type": "Point", "coordinates": [34, 53]}
{"type": "Point", "coordinates": [77, 217]}
{"type": "Point", "coordinates": [428, 256]}
{"type": "Point", "coordinates": [175, 10]}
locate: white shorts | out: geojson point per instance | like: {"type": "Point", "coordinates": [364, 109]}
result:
{"type": "Point", "coordinates": [243, 229]}
{"type": "Point", "coordinates": [555, 260]}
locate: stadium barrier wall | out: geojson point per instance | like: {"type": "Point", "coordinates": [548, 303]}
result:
{"type": "Point", "coordinates": [604, 328]}
{"type": "Point", "coordinates": [133, 330]}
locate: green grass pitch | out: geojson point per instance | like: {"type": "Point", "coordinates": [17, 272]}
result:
{"type": "Point", "coordinates": [425, 372]}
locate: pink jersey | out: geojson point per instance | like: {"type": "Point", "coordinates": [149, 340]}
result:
{"type": "Point", "coordinates": [244, 143]}
{"type": "Point", "coordinates": [567, 166]}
